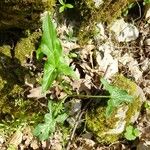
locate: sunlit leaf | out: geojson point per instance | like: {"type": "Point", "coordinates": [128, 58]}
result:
{"type": "Point", "coordinates": [61, 9]}
{"type": "Point", "coordinates": [44, 130]}
{"type": "Point", "coordinates": [51, 47]}
{"type": "Point", "coordinates": [49, 76]}
{"type": "Point", "coordinates": [49, 38]}
{"type": "Point", "coordinates": [66, 70]}
{"type": "Point", "coordinates": [61, 2]}
{"type": "Point", "coordinates": [61, 118]}
{"type": "Point", "coordinates": [131, 133]}
{"type": "Point", "coordinates": [118, 96]}
{"type": "Point", "coordinates": [69, 5]}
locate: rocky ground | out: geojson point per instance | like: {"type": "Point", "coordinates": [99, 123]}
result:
{"type": "Point", "coordinates": [123, 47]}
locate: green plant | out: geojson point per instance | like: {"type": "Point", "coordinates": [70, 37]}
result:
{"type": "Point", "coordinates": [146, 2]}
{"type": "Point", "coordinates": [147, 105]}
{"type": "Point", "coordinates": [117, 97]}
{"type": "Point", "coordinates": [69, 36]}
{"type": "Point", "coordinates": [56, 115]}
{"type": "Point", "coordinates": [131, 133]}
{"type": "Point", "coordinates": [126, 11]}
{"type": "Point", "coordinates": [51, 47]}
{"type": "Point", "coordinates": [64, 6]}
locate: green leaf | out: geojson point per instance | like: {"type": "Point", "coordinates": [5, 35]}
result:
{"type": "Point", "coordinates": [49, 38]}
{"type": "Point", "coordinates": [118, 96]}
{"type": "Point", "coordinates": [109, 108]}
{"type": "Point", "coordinates": [51, 47]}
{"type": "Point", "coordinates": [45, 50]}
{"type": "Point", "coordinates": [56, 115]}
{"type": "Point", "coordinates": [61, 9]}
{"type": "Point", "coordinates": [68, 5]}
{"type": "Point", "coordinates": [43, 131]}
{"type": "Point", "coordinates": [136, 132]}
{"type": "Point", "coordinates": [61, 118]}
{"type": "Point", "coordinates": [39, 53]}
{"type": "Point", "coordinates": [61, 2]}
{"type": "Point", "coordinates": [66, 70]}
{"type": "Point", "coordinates": [50, 74]}
{"type": "Point", "coordinates": [131, 133]}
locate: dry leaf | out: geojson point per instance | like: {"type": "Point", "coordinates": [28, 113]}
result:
{"type": "Point", "coordinates": [16, 138]}
{"type": "Point", "coordinates": [36, 93]}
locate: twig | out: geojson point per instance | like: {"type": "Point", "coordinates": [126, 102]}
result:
{"type": "Point", "coordinates": [79, 115]}
{"type": "Point", "coordinates": [89, 96]}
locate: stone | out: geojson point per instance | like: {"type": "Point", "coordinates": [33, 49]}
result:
{"type": "Point", "coordinates": [124, 32]}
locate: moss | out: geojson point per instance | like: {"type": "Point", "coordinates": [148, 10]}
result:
{"type": "Point", "coordinates": [101, 126]}
{"type": "Point", "coordinates": [23, 14]}
{"type": "Point", "coordinates": [25, 46]}
{"type": "Point", "coordinates": [5, 49]}
{"type": "Point", "coordinates": [91, 15]}
{"type": "Point", "coordinates": [13, 72]}
{"type": "Point", "coordinates": [98, 124]}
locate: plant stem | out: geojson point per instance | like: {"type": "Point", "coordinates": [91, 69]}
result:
{"type": "Point", "coordinates": [89, 96]}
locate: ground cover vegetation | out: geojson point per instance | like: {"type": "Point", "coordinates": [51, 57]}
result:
{"type": "Point", "coordinates": [78, 78]}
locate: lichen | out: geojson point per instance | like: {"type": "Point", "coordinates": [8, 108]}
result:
{"type": "Point", "coordinates": [101, 126]}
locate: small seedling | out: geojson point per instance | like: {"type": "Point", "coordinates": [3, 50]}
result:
{"type": "Point", "coordinates": [69, 36]}
{"type": "Point", "coordinates": [55, 116]}
{"type": "Point", "coordinates": [147, 105]}
{"type": "Point", "coordinates": [126, 11]}
{"type": "Point", "coordinates": [51, 47]}
{"type": "Point", "coordinates": [131, 133]}
{"type": "Point", "coordinates": [64, 6]}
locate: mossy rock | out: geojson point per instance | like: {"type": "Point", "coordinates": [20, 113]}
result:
{"type": "Point", "coordinates": [109, 130]}
{"type": "Point", "coordinates": [10, 83]}
{"type": "Point", "coordinates": [23, 14]}
{"type": "Point", "coordinates": [93, 12]}
{"type": "Point", "coordinates": [26, 45]}
{"type": "Point", "coordinates": [13, 72]}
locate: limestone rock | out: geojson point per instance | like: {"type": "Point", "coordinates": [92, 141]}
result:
{"type": "Point", "coordinates": [124, 32]}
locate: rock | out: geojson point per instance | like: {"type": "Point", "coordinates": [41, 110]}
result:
{"type": "Point", "coordinates": [100, 35]}
{"type": "Point", "coordinates": [12, 74]}
{"type": "Point", "coordinates": [109, 130]}
{"type": "Point", "coordinates": [74, 106]}
{"type": "Point", "coordinates": [106, 62]}
{"type": "Point", "coordinates": [95, 11]}
{"type": "Point", "coordinates": [147, 42]}
{"type": "Point", "coordinates": [23, 14]}
{"type": "Point", "coordinates": [147, 12]}
{"type": "Point", "coordinates": [124, 32]}
{"type": "Point", "coordinates": [97, 3]}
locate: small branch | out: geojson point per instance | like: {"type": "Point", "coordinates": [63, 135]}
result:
{"type": "Point", "coordinates": [89, 96]}
{"type": "Point", "coordinates": [79, 115]}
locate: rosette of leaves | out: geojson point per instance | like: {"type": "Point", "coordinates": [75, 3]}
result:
{"type": "Point", "coordinates": [64, 6]}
